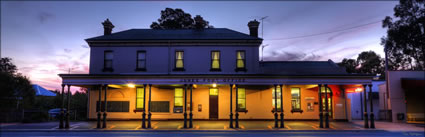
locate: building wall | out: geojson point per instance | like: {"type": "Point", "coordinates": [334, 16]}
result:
{"type": "Point", "coordinates": [161, 59]}
{"type": "Point", "coordinates": [258, 103]}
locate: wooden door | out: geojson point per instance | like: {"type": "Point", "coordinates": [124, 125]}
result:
{"type": "Point", "coordinates": [213, 108]}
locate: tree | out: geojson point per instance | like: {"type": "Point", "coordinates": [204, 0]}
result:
{"type": "Point", "coordinates": [405, 40]}
{"type": "Point", "coordinates": [14, 87]}
{"type": "Point", "coordinates": [368, 62]}
{"type": "Point", "coordinates": [178, 19]}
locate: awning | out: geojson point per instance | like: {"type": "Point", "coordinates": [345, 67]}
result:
{"type": "Point", "coordinates": [40, 91]}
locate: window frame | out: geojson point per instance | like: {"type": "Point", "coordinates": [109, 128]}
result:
{"type": "Point", "coordinates": [219, 61]}
{"type": "Point", "coordinates": [175, 98]}
{"type": "Point", "coordinates": [144, 101]}
{"type": "Point", "coordinates": [244, 61]}
{"type": "Point", "coordinates": [105, 68]}
{"type": "Point", "coordinates": [278, 98]}
{"type": "Point", "coordinates": [137, 60]}
{"type": "Point", "coordinates": [299, 98]}
{"type": "Point", "coordinates": [239, 97]}
{"type": "Point", "coordinates": [175, 61]}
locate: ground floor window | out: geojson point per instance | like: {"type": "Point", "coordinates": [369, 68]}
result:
{"type": "Point", "coordinates": [296, 98]}
{"type": "Point", "coordinates": [178, 100]}
{"type": "Point", "coordinates": [241, 99]}
{"type": "Point", "coordinates": [160, 106]}
{"type": "Point", "coordinates": [278, 98]}
{"type": "Point", "coordinates": [140, 100]}
{"type": "Point", "coordinates": [114, 106]}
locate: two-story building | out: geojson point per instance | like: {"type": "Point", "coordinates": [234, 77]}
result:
{"type": "Point", "coordinates": [207, 74]}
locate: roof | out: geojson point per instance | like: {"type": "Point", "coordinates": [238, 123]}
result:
{"type": "Point", "coordinates": [302, 68]}
{"type": "Point", "coordinates": [40, 91]}
{"type": "Point", "coordinates": [176, 34]}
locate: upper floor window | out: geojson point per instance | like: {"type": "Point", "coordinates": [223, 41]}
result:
{"type": "Point", "coordinates": [296, 99]}
{"type": "Point", "coordinates": [107, 60]}
{"type": "Point", "coordinates": [240, 60]}
{"type": "Point", "coordinates": [141, 60]}
{"type": "Point", "coordinates": [215, 60]}
{"type": "Point", "coordinates": [179, 60]}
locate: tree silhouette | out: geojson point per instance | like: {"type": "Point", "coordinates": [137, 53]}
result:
{"type": "Point", "coordinates": [178, 19]}
{"type": "Point", "coordinates": [405, 40]}
{"type": "Point", "coordinates": [368, 62]}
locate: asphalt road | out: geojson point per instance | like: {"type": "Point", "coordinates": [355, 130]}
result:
{"type": "Point", "coordinates": [216, 134]}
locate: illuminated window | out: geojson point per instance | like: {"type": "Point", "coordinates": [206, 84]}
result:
{"type": "Point", "coordinates": [278, 98]}
{"type": "Point", "coordinates": [141, 60]}
{"type": "Point", "coordinates": [140, 100]}
{"type": "Point", "coordinates": [240, 60]}
{"type": "Point", "coordinates": [178, 97]}
{"type": "Point", "coordinates": [179, 60]}
{"type": "Point", "coordinates": [296, 98]}
{"type": "Point", "coordinates": [215, 60]}
{"type": "Point", "coordinates": [241, 99]}
{"type": "Point", "coordinates": [214, 91]}
{"type": "Point", "coordinates": [107, 62]}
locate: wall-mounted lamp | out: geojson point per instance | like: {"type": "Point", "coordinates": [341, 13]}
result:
{"type": "Point", "coordinates": [214, 85]}
{"type": "Point", "coordinates": [131, 85]}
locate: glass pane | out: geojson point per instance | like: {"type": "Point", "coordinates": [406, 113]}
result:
{"type": "Point", "coordinates": [139, 92]}
{"type": "Point", "coordinates": [108, 64]}
{"type": "Point", "coordinates": [215, 55]}
{"type": "Point", "coordinates": [141, 55]}
{"type": "Point", "coordinates": [241, 103]}
{"type": "Point", "coordinates": [322, 89]}
{"type": "Point", "coordinates": [141, 64]}
{"type": "Point", "coordinates": [240, 55]}
{"type": "Point", "coordinates": [215, 64]}
{"type": "Point", "coordinates": [178, 92]}
{"type": "Point", "coordinates": [179, 55]}
{"type": "Point", "coordinates": [178, 101]}
{"type": "Point", "coordinates": [241, 93]}
{"type": "Point", "coordinates": [240, 63]}
{"type": "Point", "coordinates": [213, 91]}
{"type": "Point", "coordinates": [295, 93]}
{"type": "Point", "coordinates": [139, 103]}
{"type": "Point", "coordinates": [109, 55]}
{"type": "Point", "coordinates": [179, 63]}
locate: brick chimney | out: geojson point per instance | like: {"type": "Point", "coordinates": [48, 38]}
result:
{"type": "Point", "coordinates": [253, 28]}
{"type": "Point", "coordinates": [107, 26]}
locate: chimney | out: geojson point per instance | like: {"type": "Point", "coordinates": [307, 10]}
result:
{"type": "Point", "coordinates": [253, 28]}
{"type": "Point", "coordinates": [107, 26]}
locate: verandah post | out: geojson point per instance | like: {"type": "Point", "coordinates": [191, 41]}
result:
{"type": "Point", "coordinates": [275, 107]}
{"type": "Point", "coordinates": [144, 107]}
{"type": "Point", "coordinates": [185, 105]}
{"type": "Point", "coordinates": [231, 110]}
{"type": "Point", "coordinates": [282, 125]}
{"type": "Point", "coordinates": [326, 107]}
{"type": "Point", "coordinates": [320, 106]}
{"type": "Point", "coordinates": [149, 109]}
{"type": "Point", "coordinates": [372, 116]}
{"type": "Point", "coordinates": [191, 108]}
{"type": "Point", "coordinates": [68, 107]}
{"type": "Point", "coordinates": [99, 108]}
{"type": "Point", "coordinates": [237, 109]}
{"type": "Point", "coordinates": [61, 116]}
{"type": "Point", "coordinates": [105, 107]}
{"type": "Point", "coordinates": [366, 122]}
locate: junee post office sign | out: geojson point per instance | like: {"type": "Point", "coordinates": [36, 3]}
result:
{"type": "Point", "coordinates": [212, 80]}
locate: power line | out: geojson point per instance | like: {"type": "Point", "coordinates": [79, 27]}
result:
{"type": "Point", "coordinates": [317, 34]}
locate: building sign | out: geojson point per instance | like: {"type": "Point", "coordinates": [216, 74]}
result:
{"type": "Point", "coordinates": [212, 80]}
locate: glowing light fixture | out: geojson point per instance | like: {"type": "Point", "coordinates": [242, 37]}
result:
{"type": "Point", "coordinates": [131, 85]}
{"type": "Point", "coordinates": [358, 90]}
{"type": "Point", "coordinates": [214, 85]}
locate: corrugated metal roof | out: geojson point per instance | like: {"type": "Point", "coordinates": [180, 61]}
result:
{"type": "Point", "coordinates": [40, 91]}
{"type": "Point", "coordinates": [176, 34]}
{"type": "Point", "coordinates": [301, 68]}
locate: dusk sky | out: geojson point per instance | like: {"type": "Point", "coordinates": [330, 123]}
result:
{"type": "Point", "coordinates": [47, 38]}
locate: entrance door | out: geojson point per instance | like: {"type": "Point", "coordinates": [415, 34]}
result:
{"type": "Point", "coordinates": [329, 104]}
{"type": "Point", "coordinates": [213, 103]}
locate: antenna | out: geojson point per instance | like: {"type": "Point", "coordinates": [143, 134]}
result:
{"type": "Point", "coordinates": [262, 26]}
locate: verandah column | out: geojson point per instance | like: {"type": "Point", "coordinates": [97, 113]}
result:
{"type": "Point", "coordinates": [68, 107]}
{"type": "Point", "coordinates": [372, 116]}
{"type": "Point", "coordinates": [149, 109]}
{"type": "Point", "coordinates": [366, 123]}
{"type": "Point", "coordinates": [275, 107]}
{"type": "Point", "coordinates": [144, 107]}
{"type": "Point", "coordinates": [231, 110]}
{"type": "Point", "coordinates": [105, 107]}
{"type": "Point", "coordinates": [237, 109]}
{"type": "Point", "coordinates": [99, 106]}
{"type": "Point", "coordinates": [191, 108]}
{"type": "Point", "coordinates": [61, 116]}
{"type": "Point", "coordinates": [320, 106]}
{"type": "Point", "coordinates": [185, 105]}
{"type": "Point", "coordinates": [326, 107]}
{"type": "Point", "coordinates": [282, 125]}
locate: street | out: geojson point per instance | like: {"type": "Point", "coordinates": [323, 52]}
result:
{"type": "Point", "coordinates": [213, 134]}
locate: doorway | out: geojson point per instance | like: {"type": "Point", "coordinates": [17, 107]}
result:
{"type": "Point", "coordinates": [213, 103]}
